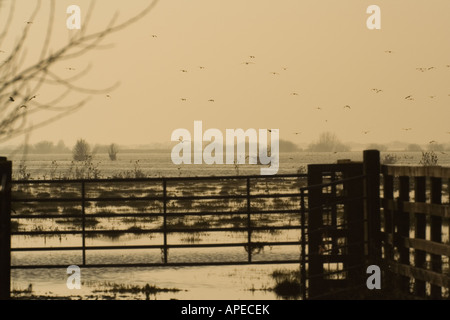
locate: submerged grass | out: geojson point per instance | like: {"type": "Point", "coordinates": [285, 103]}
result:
{"type": "Point", "coordinates": [287, 283]}
{"type": "Point", "coordinates": [147, 289]}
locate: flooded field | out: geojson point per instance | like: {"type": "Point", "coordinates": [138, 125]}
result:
{"type": "Point", "coordinates": [112, 219]}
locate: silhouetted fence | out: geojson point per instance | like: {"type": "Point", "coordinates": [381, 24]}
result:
{"type": "Point", "coordinates": [333, 216]}
{"type": "Point", "coordinates": [5, 228]}
{"type": "Point", "coordinates": [415, 228]}
{"type": "Point", "coordinates": [340, 207]}
{"type": "Point", "coordinates": [250, 208]}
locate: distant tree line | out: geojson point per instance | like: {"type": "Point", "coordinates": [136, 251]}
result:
{"type": "Point", "coordinates": [328, 142]}
{"type": "Point", "coordinates": [43, 147]}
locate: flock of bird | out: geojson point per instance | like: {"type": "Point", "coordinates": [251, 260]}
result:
{"type": "Point", "coordinates": [275, 73]}
{"type": "Point", "coordinates": [252, 58]}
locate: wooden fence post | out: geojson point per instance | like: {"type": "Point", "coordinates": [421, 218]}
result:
{"type": "Point", "coordinates": [315, 222]}
{"type": "Point", "coordinates": [5, 228]}
{"type": "Point", "coordinates": [165, 221]}
{"type": "Point", "coordinates": [371, 169]}
{"type": "Point", "coordinates": [402, 223]}
{"type": "Point", "coordinates": [436, 233]}
{"type": "Point", "coordinates": [420, 195]}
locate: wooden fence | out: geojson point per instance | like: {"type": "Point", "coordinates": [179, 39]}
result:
{"type": "Point", "coordinates": [5, 228]}
{"type": "Point", "coordinates": [415, 228]}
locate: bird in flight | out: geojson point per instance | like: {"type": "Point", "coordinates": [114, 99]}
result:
{"type": "Point", "coordinates": [377, 90]}
{"type": "Point", "coordinates": [247, 63]}
{"type": "Point", "coordinates": [201, 68]}
{"type": "Point", "coordinates": [284, 68]}
{"type": "Point", "coordinates": [71, 69]}
{"type": "Point", "coordinates": [294, 94]}
{"type": "Point", "coordinates": [274, 73]}
{"type": "Point", "coordinates": [432, 141]}
{"type": "Point", "coordinates": [421, 69]}
{"type": "Point", "coordinates": [319, 108]}
{"type": "Point", "coordinates": [388, 51]}
{"type": "Point", "coordinates": [252, 57]}
{"type": "Point", "coordinates": [183, 70]}
{"type": "Point", "coordinates": [407, 129]}
{"type": "Point", "coordinates": [365, 132]}
{"type": "Point", "coordinates": [347, 107]}
{"type": "Point", "coordinates": [154, 36]}
{"type": "Point", "coordinates": [183, 99]}
{"type": "Point", "coordinates": [108, 96]}
{"type": "Point", "coordinates": [211, 100]}
{"type": "Point", "coordinates": [409, 98]}
{"type": "Point", "coordinates": [430, 68]}
{"type": "Point", "coordinates": [297, 133]}
{"type": "Point", "coordinates": [432, 97]}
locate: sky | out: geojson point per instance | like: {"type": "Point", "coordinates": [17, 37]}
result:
{"type": "Point", "coordinates": [309, 59]}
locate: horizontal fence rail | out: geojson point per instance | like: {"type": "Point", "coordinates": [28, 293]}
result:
{"type": "Point", "coordinates": [164, 207]}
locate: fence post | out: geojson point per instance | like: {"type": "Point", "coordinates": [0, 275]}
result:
{"type": "Point", "coordinates": [5, 228]}
{"type": "Point", "coordinates": [249, 223]}
{"type": "Point", "coordinates": [388, 195]}
{"type": "Point", "coordinates": [83, 220]}
{"type": "Point", "coordinates": [402, 223]}
{"type": "Point", "coordinates": [371, 169]}
{"type": "Point", "coordinates": [165, 220]}
{"type": "Point", "coordinates": [436, 233]}
{"type": "Point", "coordinates": [420, 195]}
{"type": "Point", "coordinates": [316, 285]}
{"type": "Point", "coordinates": [303, 241]}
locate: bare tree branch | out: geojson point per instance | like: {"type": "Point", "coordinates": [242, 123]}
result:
{"type": "Point", "coordinates": [20, 85]}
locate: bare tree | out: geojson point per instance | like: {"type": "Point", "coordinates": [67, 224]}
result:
{"type": "Point", "coordinates": [112, 152]}
{"type": "Point", "coordinates": [81, 151]}
{"type": "Point", "coordinates": [20, 84]}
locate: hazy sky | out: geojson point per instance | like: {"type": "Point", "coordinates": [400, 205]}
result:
{"type": "Point", "coordinates": [330, 56]}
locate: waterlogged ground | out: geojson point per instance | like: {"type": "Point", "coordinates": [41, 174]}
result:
{"type": "Point", "coordinates": [224, 282]}
{"type": "Point", "coordinates": [219, 282]}
{"type": "Point", "coordinates": [196, 283]}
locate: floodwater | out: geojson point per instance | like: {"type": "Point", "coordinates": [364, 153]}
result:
{"type": "Point", "coordinates": [212, 282]}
